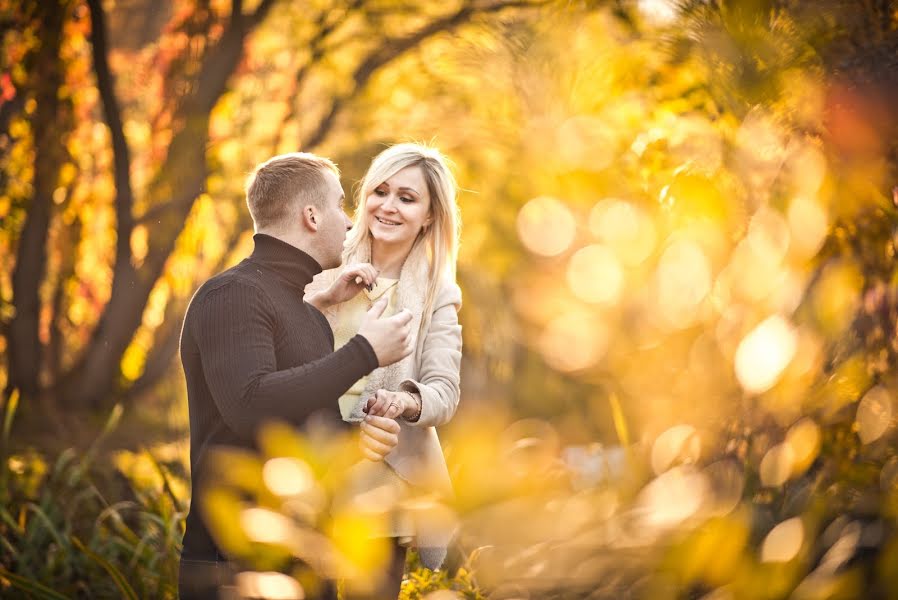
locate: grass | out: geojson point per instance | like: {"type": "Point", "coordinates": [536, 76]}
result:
{"type": "Point", "coordinates": [82, 526]}
{"type": "Point", "coordinates": [63, 536]}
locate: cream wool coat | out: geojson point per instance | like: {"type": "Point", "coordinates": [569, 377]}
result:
{"type": "Point", "coordinates": [432, 370]}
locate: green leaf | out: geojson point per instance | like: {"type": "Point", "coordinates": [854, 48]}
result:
{"type": "Point", "coordinates": [31, 586]}
{"type": "Point", "coordinates": [48, 523]}
{"type": "Point", "coordinates": [166, 481]}
{"type": "Point", "coordinates": [11, 405]}
{"type": "Point", "coordinates": [117, 576]}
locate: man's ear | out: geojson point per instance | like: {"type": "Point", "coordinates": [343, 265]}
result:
{"type": "Point", "coordinates": [311, 218]}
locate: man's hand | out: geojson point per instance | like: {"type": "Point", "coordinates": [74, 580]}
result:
{"type": "Point", "coordinates": [345, 287]}
{"type": "Point", "coordinates": [392, 405]}
{"type": "Point", "coordinates": [390, 337]}
{"type": "Point", "coordinates": [379, 436]}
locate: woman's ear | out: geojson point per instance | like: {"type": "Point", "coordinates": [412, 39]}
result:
{"type": "Point", "coordinates": [310, 218]}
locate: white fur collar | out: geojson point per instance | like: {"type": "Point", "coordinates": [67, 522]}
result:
{"type": "Point", "coordinates": [410, 293]}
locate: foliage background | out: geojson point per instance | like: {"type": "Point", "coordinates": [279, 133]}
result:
{"type": "Point", "coordinates": [678, 268]}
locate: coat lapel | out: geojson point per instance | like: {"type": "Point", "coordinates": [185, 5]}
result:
{"type": "Point", "coordinates": [410, 292]}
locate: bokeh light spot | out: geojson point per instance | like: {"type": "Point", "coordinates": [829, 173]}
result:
{"type": "Point", "coordinates": [804, 440]}
{"type": "Point", "coordinates": [680, 443]}
{"type": "Point", "coordinates": [586, 142]}
{"type": "Point", "coordinates": [658, 12]}
{"type": "Point", "coordinates": [267, 526]}
{"type": "Point", "coordinates": [287, 476]}
{"type": "Point", "coordinates": [672, 497]}
{"type": "Point", "coordinates": [768, 235]}
{"type": "Point", "coordinates": [808, 169]}
{"type": "Point", "coordinates": [783, 542]}
{"type": "Point", "coordinates": [625, 228]}
{"type": "Point", "coordinates": [874, 414]}
{"type": "Point", "coordinates": [808, 224]}
{"type": "Point", "coordinates": [764, 353]}
{"type": "Point", "coordinates": [546, 226]}
{"type": "Point", "coordinates": [777, 465]}
{"type": "Point", "coordinates": [270, 585]}
{"type": "Point", "coordinates": [684, 280]}
{"type": "Point", "coordinates": [837, 296]}
{"type": "Point", "coordinates": [595, 275]}
{"type": "Point", "coordinates": [574, 341]}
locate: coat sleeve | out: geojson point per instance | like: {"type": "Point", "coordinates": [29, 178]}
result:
{"type": "Point", "coordinates": [440, 363]}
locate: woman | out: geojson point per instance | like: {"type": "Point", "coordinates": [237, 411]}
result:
{"type": "Point", "coordinates": [403, 247]}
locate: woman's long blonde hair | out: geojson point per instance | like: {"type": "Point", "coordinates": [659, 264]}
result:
{"type": "Point", "coordinates": [440, 239]}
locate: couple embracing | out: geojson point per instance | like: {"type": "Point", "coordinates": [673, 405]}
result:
{"type": "Point", "coordinates": [350, 323]}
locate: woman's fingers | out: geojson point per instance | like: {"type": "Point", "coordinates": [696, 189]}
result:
{"type": "Point", "coordinates": [371, 272]}
{"type": "Point", "coordinates": [363, 274]}
{"type": "Point", "coordinates": [379, 403]}
{"type": "Point", "coordinates": [393, 410]}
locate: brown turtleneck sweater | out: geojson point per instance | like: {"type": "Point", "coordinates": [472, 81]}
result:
{"type": "Point", "coordinates": [253, 351]}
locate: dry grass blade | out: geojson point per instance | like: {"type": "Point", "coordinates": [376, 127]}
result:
{"type": "Point", "coordinates": [117, 576]}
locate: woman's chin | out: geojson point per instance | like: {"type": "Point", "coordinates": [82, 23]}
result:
{"type": "Point", "coordinates": [391, 237]}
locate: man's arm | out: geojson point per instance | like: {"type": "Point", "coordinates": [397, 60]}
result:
{"type": "Point", "coordinates": [235, 335]}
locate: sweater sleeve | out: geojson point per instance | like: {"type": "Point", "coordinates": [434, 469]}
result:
{"type": "Point", "coordinates": [438, 378]}
{"type": "Point", "coordinates": [235, 334]}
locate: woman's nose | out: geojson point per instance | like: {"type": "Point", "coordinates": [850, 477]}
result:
{"type": "Point", "coordinates": [389, 202]}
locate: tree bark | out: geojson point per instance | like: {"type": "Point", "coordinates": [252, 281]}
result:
{"type": "Point", "coordinates": [168, 336]}
{"type": "Point", "coordinates": [179, 181]}
{"type": "Point", "coordinates": [49, 153]}
{"type": "Point", "coordinates": [123, 271]}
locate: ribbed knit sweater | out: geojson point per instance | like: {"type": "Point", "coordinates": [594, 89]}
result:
{"type": "Point", "coordinates": [252, 352]}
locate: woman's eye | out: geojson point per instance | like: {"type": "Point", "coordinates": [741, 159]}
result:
{"type": "Point", "coordinates": [406, 199]}
{"type": "Point", "coordinates": [380, 192]}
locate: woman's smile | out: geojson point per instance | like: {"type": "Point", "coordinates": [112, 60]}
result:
{"type": "Point", "coordinates": [387, 221]}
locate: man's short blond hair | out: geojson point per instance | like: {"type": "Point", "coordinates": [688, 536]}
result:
{"type": "Point", "coordinates": [278, 188]}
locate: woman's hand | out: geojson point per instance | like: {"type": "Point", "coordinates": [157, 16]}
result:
{"type": "Point", "coordinates": [392, 405]}
{"type": "Point", "coordinates": [345, 287]}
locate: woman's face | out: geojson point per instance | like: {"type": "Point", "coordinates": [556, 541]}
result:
{"type": "Point", "coordinates": [399, 207]}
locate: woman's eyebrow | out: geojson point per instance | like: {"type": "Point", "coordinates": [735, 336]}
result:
{"type": "Point", "coordinates": [408, 189]}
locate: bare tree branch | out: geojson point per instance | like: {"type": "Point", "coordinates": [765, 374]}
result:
{"type": "Point", "coordinates": [167, 338]}
{"type": "Point", "coordinates": [261, 12]}
{"type": "Point", "coordinates": [178, 182]}
{"type": "Point", "coordinates": [325, 26]}
{"type": "Point", "coordinates": [124, 194]}
{"type": "Point", "coordinates": [236, 12]}
{"type": "Point", "coordinates": [393, 47]}
{"type": "Point", "coordinates": [165, 347]}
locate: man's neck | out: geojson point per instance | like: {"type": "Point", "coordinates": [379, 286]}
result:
{"type": "Point", "coordinates": [297, 240]}
{"type": "Point", "coordinates": [287, 238]}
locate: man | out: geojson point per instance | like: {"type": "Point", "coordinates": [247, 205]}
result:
{"type": "Point", "coordinates": [254, 351]}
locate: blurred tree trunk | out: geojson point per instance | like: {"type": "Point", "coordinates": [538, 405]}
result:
{"type": "Point", "coordinates": [178, 182]}
{"type": "Point", "coordinates": [212, 56]}
{"type": "Point", "coordinates": [49, 134]}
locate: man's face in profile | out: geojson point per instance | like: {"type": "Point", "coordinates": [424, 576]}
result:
{"type": "Point", "coordinates": [334, 223]}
